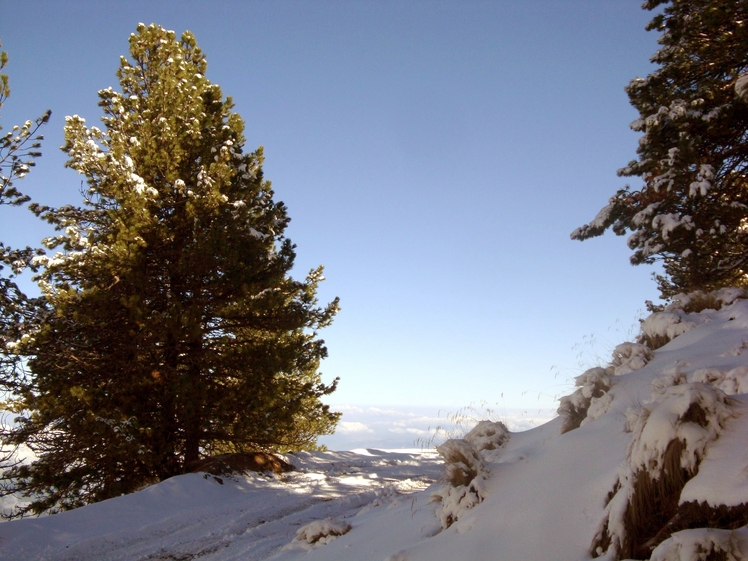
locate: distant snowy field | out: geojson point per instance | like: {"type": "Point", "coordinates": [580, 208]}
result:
{"type": "Point", "coordinates": [539, 495]}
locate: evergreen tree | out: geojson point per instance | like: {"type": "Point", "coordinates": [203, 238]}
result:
{"type": "Point", "coordinates": [19, 147]}
{"type": "Point", "coordinates": [690, 211]}
{"type": "Point", "coordinates": [176, 330]}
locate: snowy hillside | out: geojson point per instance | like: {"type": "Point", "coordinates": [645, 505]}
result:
{"type": "Point", "coordinates": [647, 459]}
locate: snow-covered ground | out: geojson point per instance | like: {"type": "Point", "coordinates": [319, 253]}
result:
{"type": "Point", "coordinates": [562, 491]}
{"type": "Point", "coordinates": [200, 515]}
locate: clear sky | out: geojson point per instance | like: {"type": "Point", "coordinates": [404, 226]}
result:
{"type": "Point", "coordinates": [434, 156]}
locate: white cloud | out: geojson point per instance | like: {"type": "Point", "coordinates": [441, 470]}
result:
{"type": "Point", "coordinates": [418, 432]}
{"type": "Point", "coordinates": [351, 427]}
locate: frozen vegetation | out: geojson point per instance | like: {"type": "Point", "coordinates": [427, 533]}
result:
{"type": "Point", "coordinates": [646, 460]}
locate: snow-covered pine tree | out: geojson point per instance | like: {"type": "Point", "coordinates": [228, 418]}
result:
{"type": "Point", "coordinates": [19, 147]}
{"type": "Point", "coordinates": [690, 211]}
{"type": "Point", "coordinates": [177, 331]}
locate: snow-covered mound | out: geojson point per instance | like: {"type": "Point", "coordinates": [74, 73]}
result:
{"type": "Point", "coordinates": [647, 460]}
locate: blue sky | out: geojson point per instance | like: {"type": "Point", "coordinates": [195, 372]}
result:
{"type": "Point", "coordinates": [434, 157]}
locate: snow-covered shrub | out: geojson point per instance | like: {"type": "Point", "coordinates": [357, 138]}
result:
{"type": "Point", "coordinates": [593, 384]}
{"type": "Point", "coordinates": [670, 436]}
{"type": "Point", "coordinates": [320, 532]}
{"type": "Point", "coordinates": [732, 382]}
{"type": "Point", "coordinates": [488, 435]}
{"type": "Point", "coordinates": [660, 328]}
{"type": "Point", "coordinates": [663, 326]}
{"type": "Point", "coordinates": [466, 474]}
{"type": "Point", "coordinates": [592, 400]}
{"type": "Point", "coordinates": [703, 544]}
{"type": "Point", "coordinates": [629, 357]}
{"type": "Point", "coordinates": [692, 413]}
{"type": "Point", "coordinates": [698, 301]}
{"type": "Point", "coordinates": [672, 376]}
{"type": "Point", "coordinates": [462, 461]}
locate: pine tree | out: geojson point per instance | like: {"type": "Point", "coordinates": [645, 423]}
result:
{"type": "Point", "coordinates": [19, 147]}
{"type": "Point", "coordinates": [176, 331]}
{"type": "Point", "coordinates": [690, 211]}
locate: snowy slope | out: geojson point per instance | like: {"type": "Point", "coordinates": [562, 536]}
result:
{"type": "Point", "coordinates": [542, 495]}
{"type": "Point", "coordinates": [221, 518]}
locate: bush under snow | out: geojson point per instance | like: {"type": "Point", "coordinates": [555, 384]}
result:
{"type": "Point", "coordinates": [466, 474]}
{"type": "Point", "coordinates": [591, 400]}
{"type": "Point", "coordinates": [629, 357]}
{"type": "Point", "coordinates": [320, 532]}
{"type": "Point", "coordinates": [662, 327]}
{"type": "Point", "coordinates": [593, 384]}
{"type": "Point", "coordinates": [684, 313]}
{"type": "Point", "coordinates": [702, 544]}
{"type": "Point", "coordinates": [670, 435]}
{"type": "Point", "coordinates": [732, 382]}
{"type": "Point", "coordinates": [488, 435]}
